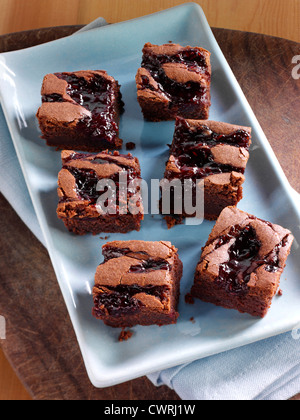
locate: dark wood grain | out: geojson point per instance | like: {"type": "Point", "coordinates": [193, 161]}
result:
{"type": "Point", "coordinates": [40, 341]}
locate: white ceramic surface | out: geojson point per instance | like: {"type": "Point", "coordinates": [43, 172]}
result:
{"type": "Point", "coordinates": [267, 194]}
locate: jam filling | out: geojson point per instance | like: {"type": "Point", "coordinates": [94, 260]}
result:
{"type": "Point", "coordinates": [235, 274]}
{"type": "Point", "coordinates": [193, 156]}
{"type": "Point", "coordinates": [179, 93]}
{"type": "Point", "coordinates": [121, 300]}
{"type": "Point", "coordinates": [192, 150]}
{"type": "Point", "coordinates": [200, 165]}
{"type": "Point", "coordinates": [189, 138]}
{"type": "Point", "coordinates": [54, 97]}
{"type": "Point", "coordinates": [112, 252]}
{"type": "Point", "coordinates": [150, 265]}
{"type": "Point", "coordinates": [98, 96]}
{"type": "Point", "coordinates": [244, 259]}
{"type": "Point", "coordinates": [147, 262]}
{"type": "Point", "coordinates": [87, 180]}
{"type": "Point", "coordinates": [192, 58]}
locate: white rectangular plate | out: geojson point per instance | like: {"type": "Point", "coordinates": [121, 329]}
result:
{"type": "Point", "coordinates": [267, 194]}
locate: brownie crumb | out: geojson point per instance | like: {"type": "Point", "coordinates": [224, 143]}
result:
{"type": "Point", "coordinates": [189, 299]}
{"type": "Point", "coordinates": [173, 220]}
{"type": "Point", "coordinates": [130, 146]}
{"type": "Point", "coordinates": [125, 335]}
{"type": "Point", "coordinates": [280, 292]}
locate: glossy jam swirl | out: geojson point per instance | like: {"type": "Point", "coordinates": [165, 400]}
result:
{"type": "Point", "coordinates": [235, 274]}
{"type": "Point", "coordinates": [120, 300]}
{"type": "Point", "coordinates": [86, 179]}
{"type": "Point", "coordinates": [190, 93]}
{"type": "Point", "coordinates": [187, 138]}
{"type": "Point", "coordinates": [244, 259]}
{"type": "Point", "coordinates": [147, 263]}
{"type": "Point", "coordinates": [99, 97]}
{"type": "Point", "coordinates": [192, 58]}
{"type": "Point", "coordinates": [192, 152]}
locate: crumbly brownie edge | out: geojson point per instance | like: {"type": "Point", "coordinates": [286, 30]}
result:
{"type": "Point", "coordinates": [75, 143]}
{"type": "Point", "coordinates": [207, 293]}
{"type": "Point", "coordinates": [104, 224]}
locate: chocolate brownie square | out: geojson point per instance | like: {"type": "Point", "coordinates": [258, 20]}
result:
{"type": "Point", "coordinates": [214, 152]}
{"type": "Point", "coordinates": [174, 81]}
{"type": "Point", "coordinates": [242, 262]}
{"type": "Point", "coordinates": [80, 111]}
{"type": "Point", "coordinates": [79, 192]}
{"type": "Point", "coordinates": [138, 283]}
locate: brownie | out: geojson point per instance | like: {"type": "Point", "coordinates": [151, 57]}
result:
{"type": "Point", "coordinates": [174, 81]}
{"type": "Point", "coordinates": [80, 111]}
{"type": "Point", "coordinates": [79, 206]}
{"type": "Point", "coordinates": [215, 153]}
{"type": "Point", "coordinates": [242, 262]}
{"type": "Point", "coordinates": [138, 283]}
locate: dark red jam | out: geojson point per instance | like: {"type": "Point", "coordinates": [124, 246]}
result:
{"type": "Point", "coordinates": [87, 179]}
{"type": "Point", "coordinates": [99, 97]}
{"type": "Point", "coordinates": [191, 138]}
{"type": "Point", "coordinates": [235, 274]}
{"type": "Point", "coordinates": [54, 97]}
{"type": "Point", "coordinates": [193, 58]}
{"type": "Point", "coordinates": [192, 150]}
{"type": "Point", "coordinates": [112, 252]}
{"type": "Point", "coordinates": [147, 263]}
{"type": "Point", "coordinates": [272, 261]}
{"type": "Point", "coordinates": [179, 93]}
{"type": "Point", "coordinates": [120, 301]}
{"type": "Point", "coordinates": [150, 265]}
{"type": "Point", "coordinates": [244, 259]}
{"type": "Point", "coordinates": [130, 145]}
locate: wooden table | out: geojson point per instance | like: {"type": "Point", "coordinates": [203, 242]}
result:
{"type": "Point", "coordinates": [40, 341]}
{"type": "Point", "coordinates": [270, 17]}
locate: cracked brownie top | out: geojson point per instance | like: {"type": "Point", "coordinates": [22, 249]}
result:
{"type": "Point", "coordinates": [134, 274]}
{"type": "Point", "coordinates": [88, 101]}
{"type": "Point", "coordinates": [79, 177]}
{"type": "Point", "coordinates": [204, 148]}
{"type": "Point", "coordinates": [244, 251]}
